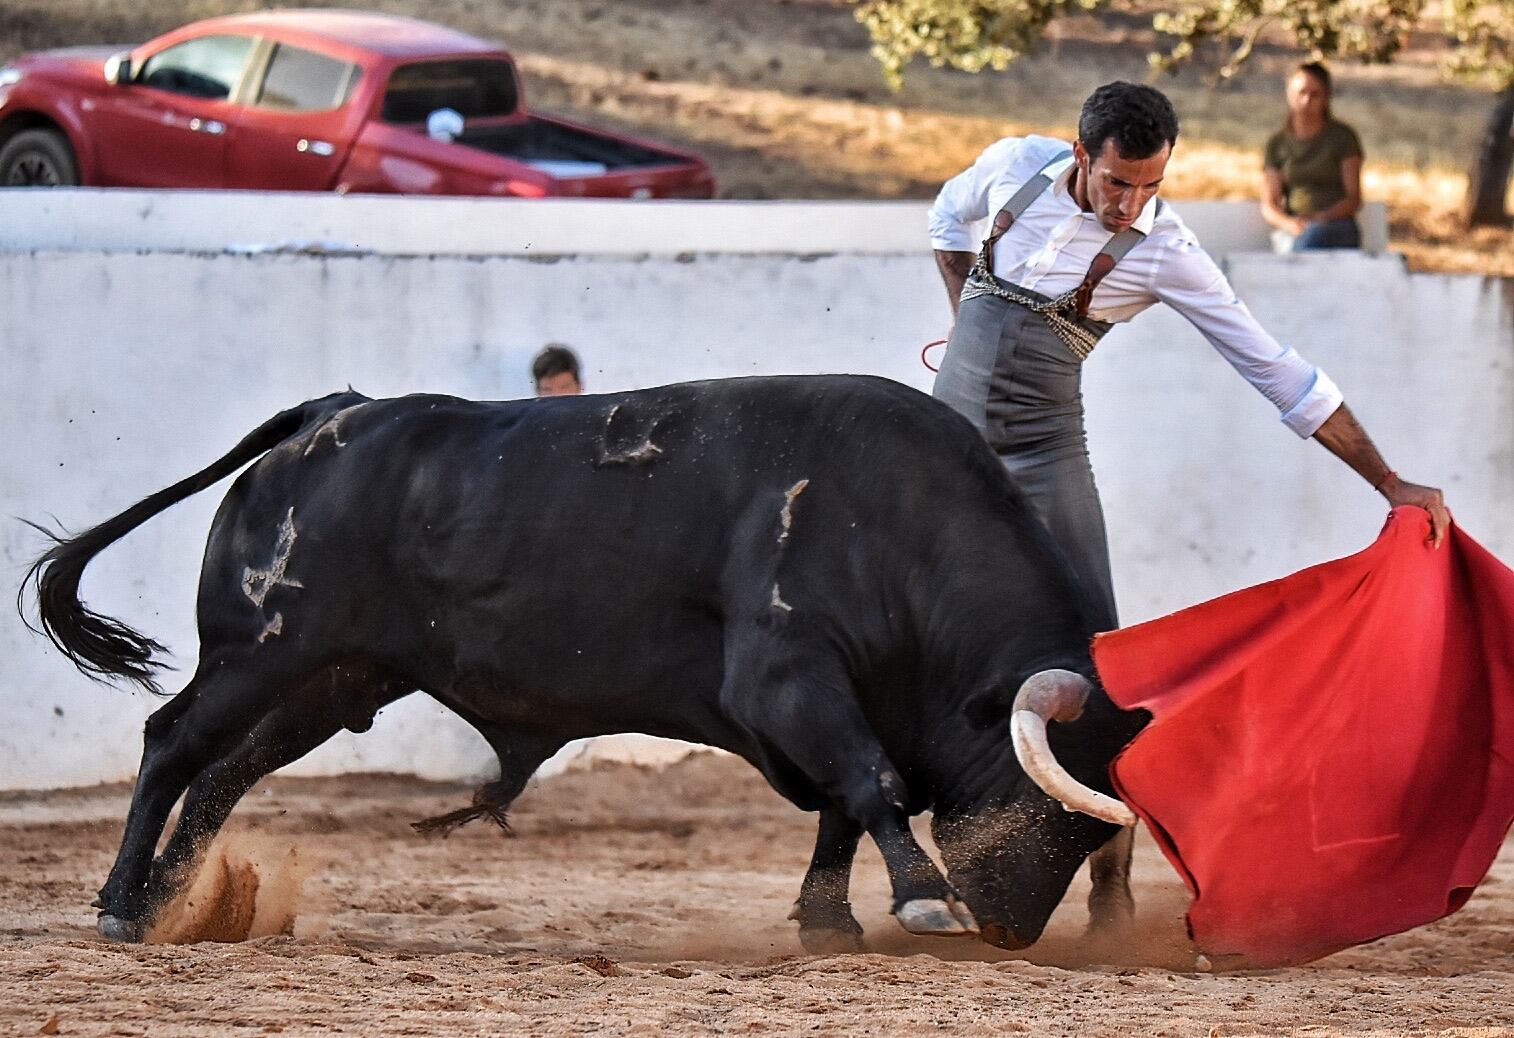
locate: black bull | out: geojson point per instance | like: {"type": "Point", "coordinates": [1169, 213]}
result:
{"type": "Point", "coordinates": [831, 577]}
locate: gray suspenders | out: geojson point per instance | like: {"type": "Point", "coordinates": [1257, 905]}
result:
{"type": "Point", "coordinates": [1057, 312]}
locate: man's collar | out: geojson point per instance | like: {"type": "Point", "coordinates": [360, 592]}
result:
{"type": "Point", "coordinates": [1061, 175]}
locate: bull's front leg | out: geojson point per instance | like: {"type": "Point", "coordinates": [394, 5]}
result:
{"type": "Point", "coordinates": [802, 706]}
{"type": "Point", "coordinates": [823, 911]}
{"type": "Point", "coordinates": [1111, 907]}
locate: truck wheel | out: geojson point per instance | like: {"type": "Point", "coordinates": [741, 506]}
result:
{"type": "Point", "coordinates": [38, 158]}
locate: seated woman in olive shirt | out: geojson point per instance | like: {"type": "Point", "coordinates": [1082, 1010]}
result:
{"type": "Point", "coordinates": [1312, 173]}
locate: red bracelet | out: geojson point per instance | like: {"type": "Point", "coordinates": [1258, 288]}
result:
{"type": "Point", "coordinates": [1378, 486]}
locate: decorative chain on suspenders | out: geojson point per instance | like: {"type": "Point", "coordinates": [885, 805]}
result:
{"type": "Point", "coordinates": [1058, 312]}
{"type": "Point", "coordinates": [1074, 336]}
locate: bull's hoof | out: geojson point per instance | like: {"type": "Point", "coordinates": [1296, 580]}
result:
{"type": "Point", "coordinates": [1000, 936]}
{"type": "Point", "coordinates": [827, 929]}
{"type": "Point", "coordinates": [937, 918]}
{"type": "Point", "coordinates": [831, 942]}
{"type": "Point", "coordinates": [122, 931]}
{"type": "Point", "coordinates": [1110, 923]}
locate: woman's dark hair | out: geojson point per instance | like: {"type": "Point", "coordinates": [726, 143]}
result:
{"type": "Point", "coordinates": [1139, 118]}
{"type": "Point", "coordinates": [1317, 71]}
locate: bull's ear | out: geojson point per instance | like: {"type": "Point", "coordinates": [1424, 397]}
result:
{"type": "Point", "coordinates": [989, 706]}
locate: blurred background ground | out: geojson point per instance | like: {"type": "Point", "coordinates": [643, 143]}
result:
{"type": "Point", "coordinates": [784, 99]}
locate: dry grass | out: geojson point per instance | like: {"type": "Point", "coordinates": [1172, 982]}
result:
{"type": "Point", "coordinates": [784, 99]}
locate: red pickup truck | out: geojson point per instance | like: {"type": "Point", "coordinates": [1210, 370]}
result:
{"type": "Point", "coordinates": [313, 101]}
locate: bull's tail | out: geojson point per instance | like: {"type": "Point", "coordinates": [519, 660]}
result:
{"type": "Point", "coordinates": [103, 647]}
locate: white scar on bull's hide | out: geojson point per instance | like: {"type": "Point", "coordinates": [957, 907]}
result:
{"type": "Point", "coordinates": [256, 583]}
{"type": "Point", "coordinates": [786, 517]}
{"type": "Point", "coordinates": [272, 627]}
{"type": "Point", "coordinates": [778, 602]}
{"type": "Point", "coordinates": [331, 427]}
{"type": "Point", "coordinates": [644, 452]}
{"type": "Point", "coordinates": [785, 526]}
{"type": "Point", "coordinates": [307, 442]}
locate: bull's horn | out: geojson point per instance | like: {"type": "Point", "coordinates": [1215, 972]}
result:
{"type": "Point", "coordinates": [1057, 695]}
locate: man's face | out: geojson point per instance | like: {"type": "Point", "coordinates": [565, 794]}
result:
{"type": "Point", "coordinates": [564, 383]}
{"type": "Point", "coordinates": [1115, 189]}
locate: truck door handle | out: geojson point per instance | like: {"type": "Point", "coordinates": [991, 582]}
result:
{"type": "Point", "coordinates": [212, 126]}
{"type": "Point", "coordinates": [318, 147]}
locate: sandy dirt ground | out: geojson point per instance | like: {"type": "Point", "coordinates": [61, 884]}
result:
{"type": "Point", "coordinates": [635, 902]}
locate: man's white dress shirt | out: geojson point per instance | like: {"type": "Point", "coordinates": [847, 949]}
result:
{"type": "Point", "coordinates": [1051, 245]}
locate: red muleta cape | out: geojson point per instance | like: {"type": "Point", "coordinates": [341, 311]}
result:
{"type": "Point", "coordinates": [1331, 757]}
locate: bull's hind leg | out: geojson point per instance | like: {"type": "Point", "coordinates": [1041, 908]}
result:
{"type": "Point", "coordinates": [801, 708]}
{"type": "Point", "coordinates": [217, 707]}
{"type": "Point", "coordinates": [229, 721]}
{"type": "Point", "coordinates": [824, 914]}
{"type": "Point", "coordinates": [294, 723]}
{"type": "Point", "coordinates": [286, 734]}
{"type": "Point", "coordinates": [169, 760]}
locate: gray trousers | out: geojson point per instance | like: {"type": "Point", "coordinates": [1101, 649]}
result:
{"type": "Point", "coordinates": [1006, 371]}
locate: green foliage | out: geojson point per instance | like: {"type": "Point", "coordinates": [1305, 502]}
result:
{"type": "Point", "coordinates": [1484, 33]}
{"type": "Point", "coordinates": [1364, 30]}
{"type": "Point", "coordinates": [975, 34]}
{"type": "Point", "coordinates": [966, 34]}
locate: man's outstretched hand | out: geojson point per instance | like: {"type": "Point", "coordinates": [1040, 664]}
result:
{"type": "Point", "coordinates": [1401, 492]}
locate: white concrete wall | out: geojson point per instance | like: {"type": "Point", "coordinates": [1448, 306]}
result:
{"type": "Point", "coordinates": [123, 372]}
{"type": "Point", "coordinates": [212, 221]}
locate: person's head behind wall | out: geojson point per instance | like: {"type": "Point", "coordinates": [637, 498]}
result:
{"type": "Point", "coordinates": [1309, 91]}
{"type": "Point", "coordinates": [1126, 132]}
{"type": "Point", "coordinates": [555, 371]}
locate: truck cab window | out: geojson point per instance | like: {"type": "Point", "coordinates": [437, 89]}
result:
{"type": "Point", "coordinates": [475, 87]}
{"type": "Point", "coordinates": [300, 80]}
{"type": "Point", "coordinates": [208, 67]}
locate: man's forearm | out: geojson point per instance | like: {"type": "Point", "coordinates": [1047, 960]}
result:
{"type": "Point", "coordinates": [954, 267]}
{"type": "Point", "coordinates": [1342, 435]}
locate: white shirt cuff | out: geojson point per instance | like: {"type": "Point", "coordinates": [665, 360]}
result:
{"type": "Point", "coordinates": [1318, 403]}
{"type": "Point", "coordinates": [956, 238]}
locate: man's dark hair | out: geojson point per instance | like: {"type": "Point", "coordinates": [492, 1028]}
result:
{"type": "Point", "coordinates": [554, 359]}
{"type": "Point", "coordinates": [1138, 118]}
